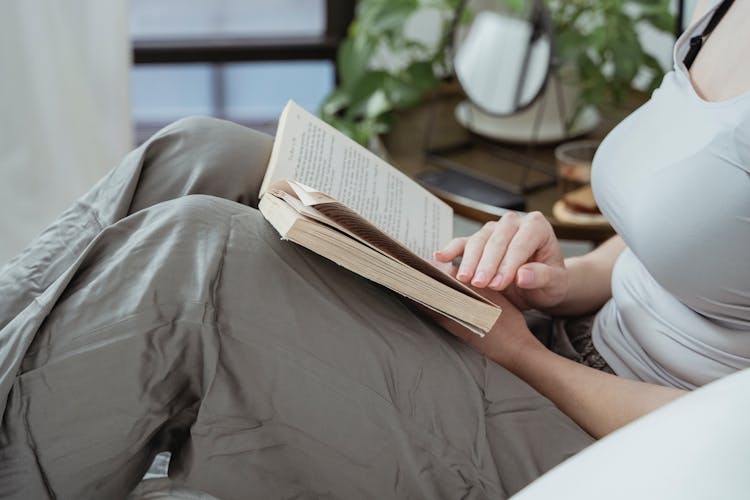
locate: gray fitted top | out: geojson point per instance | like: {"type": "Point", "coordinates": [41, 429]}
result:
{"type": "Point", "coordinates": [674, 181]}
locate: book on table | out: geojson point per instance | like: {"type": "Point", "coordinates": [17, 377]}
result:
{"type": "Point", "coordinates": [327, 193]}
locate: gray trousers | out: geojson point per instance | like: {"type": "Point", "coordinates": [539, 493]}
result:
{"type": "Point", "coordinates": [165, 314]}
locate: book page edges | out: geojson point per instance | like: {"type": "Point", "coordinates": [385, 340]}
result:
{"type": "Point", "coordinates": [305, 199]}
{"type": "Point", "coordinates": [373, 265]}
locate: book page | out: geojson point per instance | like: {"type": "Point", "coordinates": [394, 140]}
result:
{"type": "Point", "coordinates": [312, 152]}
{"type": "Point", "coordinates": [321, 208]}
{"type": "Point", "coordinates": [290, 218]}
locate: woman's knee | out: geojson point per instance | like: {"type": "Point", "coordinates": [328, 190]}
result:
{"type": "Point", "coordinates": [203, 155]}
{"type": "Point", "coordinates": [222, 151]}
{"type": "Point", "coordinates": [193, 219]}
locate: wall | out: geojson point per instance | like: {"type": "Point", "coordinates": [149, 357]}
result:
{"type": "Point", "coordinates": [64, 105]}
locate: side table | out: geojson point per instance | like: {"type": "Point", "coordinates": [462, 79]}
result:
{"type": "Point", "coordinates": [541, 200]}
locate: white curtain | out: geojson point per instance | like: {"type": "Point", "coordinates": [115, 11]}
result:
{"type": "Point", "coordinates": [64, 107]}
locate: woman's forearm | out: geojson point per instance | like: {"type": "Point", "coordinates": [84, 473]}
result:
{"type": "Point", "coordinates": [597, 401]}
{"type": "Point", "coordinates": [589, 279]}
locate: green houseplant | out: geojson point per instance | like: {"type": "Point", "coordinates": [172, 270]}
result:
{"type": "Point", "coordinates": [596, 40]}
{"type": "Point", "coordinates": [369, 93]}
{"type": "Point", "coordinates": [600, 40]}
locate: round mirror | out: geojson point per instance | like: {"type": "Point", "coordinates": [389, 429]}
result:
{"type": "Point", "coordinates": [502, 61]}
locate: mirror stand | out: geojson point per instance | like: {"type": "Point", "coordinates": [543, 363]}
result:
{"type": "Point", "coordinates": [463, 184]}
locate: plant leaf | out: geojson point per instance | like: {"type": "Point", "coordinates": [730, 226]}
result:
{"type": "Point", "coordinates": [352, 59]}
{"type": "Point", "coordinates": [335, 102]}
{"type": "Point", "coordinates": [381, 17]}
{"type": "Point", "coordinates": [377, 104]}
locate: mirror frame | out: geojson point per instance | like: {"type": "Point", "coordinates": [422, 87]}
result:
{"type": "Point", "coordinates": [541, 22]}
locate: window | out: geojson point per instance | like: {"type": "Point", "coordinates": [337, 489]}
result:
{"type": "Point", "coordinates": [217, 18]}
{"type": "Point", "coordinates": [235, 59]}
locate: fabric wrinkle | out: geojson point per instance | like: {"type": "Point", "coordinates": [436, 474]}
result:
{"type": "Point", "coordinates": [189, 326]}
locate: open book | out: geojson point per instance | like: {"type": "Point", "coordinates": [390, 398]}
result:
{"type": "Point", "coordinates": [327, 193]}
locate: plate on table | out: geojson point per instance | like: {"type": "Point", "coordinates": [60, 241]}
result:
{"type": "Point", "coordinates": [564, 214]}
{"type": "Point", "coordinates": [518, 128]}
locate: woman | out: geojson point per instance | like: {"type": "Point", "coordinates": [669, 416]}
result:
{"type": "Point", "coordinates": [673, 289]}
{"type": "Point", "coordinates": [147, 320]}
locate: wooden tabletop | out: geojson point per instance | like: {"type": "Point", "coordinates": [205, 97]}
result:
{"type": "Point", "coordinates": [433, 126]}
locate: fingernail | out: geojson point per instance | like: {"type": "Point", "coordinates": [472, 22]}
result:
{"type": "Point", "coordinates": [479, 278]}
{"type": "Point", "coordinates": [496, 280]}
{"type": "Point", "coordinates": [462, 274]}
{"type": "Point", "coordinates": [525, 277]}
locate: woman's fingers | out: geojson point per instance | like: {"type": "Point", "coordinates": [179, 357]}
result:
{"type": "Point", "coordinates": [453, 249]}
{"type": "Point", "coordinates": [542, 285]}
{"type": "Point", "coordinates": [473, 252]}
{"type": "Point", "coordinates": [493, 256]}
{"type": "Point", "coordinates": [494, 251]}
{"type": "Point", "coordinates": [446, 267]}
{"type": "Point", "coordinates": [534, 275]}
{"type": "Point", "coordinates": [530, 241]}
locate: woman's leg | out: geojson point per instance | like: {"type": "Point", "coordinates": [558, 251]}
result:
{"type": "Point", "coordinates": [116, 367]}
{"type": "Point", "coordinates": [267, 371]}
{"type": "Point", "coordinates": [192, 156]}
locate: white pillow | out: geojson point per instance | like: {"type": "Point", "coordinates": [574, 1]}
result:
{"type": "Point", "coordinates": [696, 447]}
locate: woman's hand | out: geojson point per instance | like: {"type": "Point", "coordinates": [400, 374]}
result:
{"type": "Point", "coordinates": [508, 337]}
{"type": "Point", "coordinates": [517, 254]}
{"type": "Point", "coordinates": [597, 401]}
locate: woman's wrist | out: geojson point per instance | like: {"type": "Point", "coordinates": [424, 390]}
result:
{"type": "Point", "coordinates": [528, 355]}
{"type": "Point", "coordinates": [513, 350]}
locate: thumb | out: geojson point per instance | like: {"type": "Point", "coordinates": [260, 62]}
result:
{"type": "Point", "coordinates": [534, 275]}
